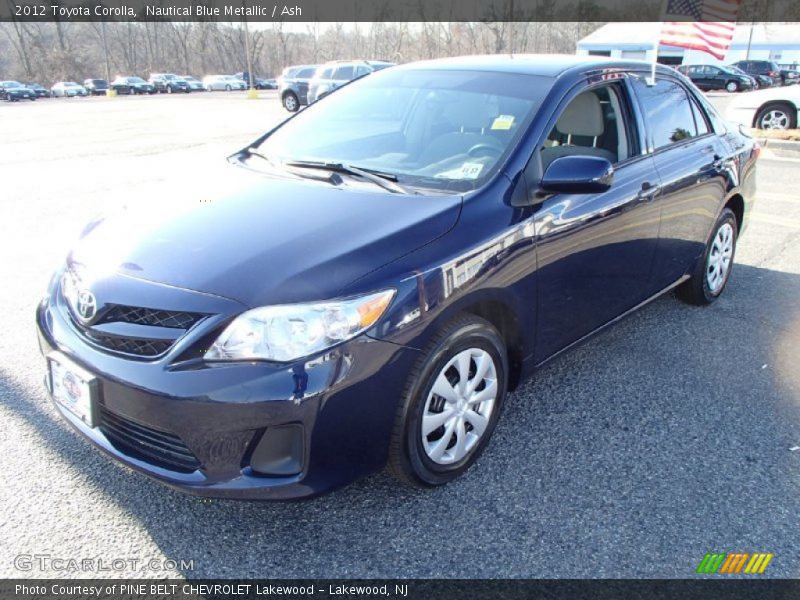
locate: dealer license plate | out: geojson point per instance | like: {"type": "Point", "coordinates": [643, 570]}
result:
{"type": "Point", "coordinates": [73, 388]}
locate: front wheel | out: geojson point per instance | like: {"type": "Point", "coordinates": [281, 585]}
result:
{"type": "Point", "coordinates": [227, 88]}
{"type": "Point", "coordinates": [713, 271]}
{"type": "Point", "coordinates": [290, 102]}
{"type": "Point", "coordinates": [451, 404]}
{"type": "Point", "coordinates": [732, 86]}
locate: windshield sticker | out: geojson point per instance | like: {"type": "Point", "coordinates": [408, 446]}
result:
{"type": "Point", "coordinates": [471, 170]}
{"type": "Point", "coordinates": [503, 122]}
{"type": "Point", "coordinates": [465, 171]}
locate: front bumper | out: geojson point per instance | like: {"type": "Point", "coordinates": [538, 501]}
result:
{"type": "Point", "coordinates": [342, 404]}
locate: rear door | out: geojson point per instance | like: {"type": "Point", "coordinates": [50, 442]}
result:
{"type": "Point", "coordinates": [301, 82]}
{"type": "Point", "coordinates": [693, 163]}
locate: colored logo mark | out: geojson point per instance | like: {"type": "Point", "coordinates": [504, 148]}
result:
{"type": "Point", "coordinates": [734, 562]}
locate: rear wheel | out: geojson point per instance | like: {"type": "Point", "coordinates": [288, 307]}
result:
{"type": "Point", "coordinates": [451, 404]}
{"type": "Point", "coordinates": [777, 116]}
{"type": "Point", "coordinates": [712, 272]}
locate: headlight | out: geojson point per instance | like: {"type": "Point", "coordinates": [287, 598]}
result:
{"type": "Point", "coordinates": [289, 332]}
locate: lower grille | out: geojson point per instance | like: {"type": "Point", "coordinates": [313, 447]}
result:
{"type": "Point", "coordinates": [159, 448]}
{"type": "Point", "coordinates": [128, 345]}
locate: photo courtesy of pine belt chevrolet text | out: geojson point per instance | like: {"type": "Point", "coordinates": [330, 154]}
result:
{"type": "Point", "coordinates": [385, 266]}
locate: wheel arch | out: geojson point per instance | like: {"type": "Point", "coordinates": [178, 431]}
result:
{"type": "Point", "coordinates": [736, 204]}
{"type": "Point", "coordinates": [505, 319]}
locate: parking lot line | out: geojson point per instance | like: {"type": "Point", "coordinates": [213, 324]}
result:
{"type": "Point", "coordinates": [775, 220]}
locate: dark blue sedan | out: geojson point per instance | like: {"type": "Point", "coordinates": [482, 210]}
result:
{"type": "Point", "coordinates": [393, 261]}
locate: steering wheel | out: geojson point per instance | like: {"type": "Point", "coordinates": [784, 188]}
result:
{"type": "Point", "coordinates": [485, 147]}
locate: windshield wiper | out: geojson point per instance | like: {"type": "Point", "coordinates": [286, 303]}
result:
{"type": "Point", "coordinates": [335, 180]}
{"type": "Point", "coordinates": [387, 181]}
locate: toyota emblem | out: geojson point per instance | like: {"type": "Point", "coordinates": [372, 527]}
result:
{"type": "Point", "coordinates": [86, 306]}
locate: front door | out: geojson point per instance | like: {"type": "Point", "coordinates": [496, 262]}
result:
{"type": "Point", "coordinates": [595, 251]}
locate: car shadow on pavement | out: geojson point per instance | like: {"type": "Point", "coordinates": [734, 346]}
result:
{"type": "Point", "coordinates": [662, 439]}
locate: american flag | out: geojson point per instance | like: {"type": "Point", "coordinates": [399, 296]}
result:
{"type": "Point", "coordinates": [706, 25]}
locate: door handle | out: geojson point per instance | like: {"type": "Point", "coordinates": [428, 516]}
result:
{"type": "Point", "coordinates": [648, 192]}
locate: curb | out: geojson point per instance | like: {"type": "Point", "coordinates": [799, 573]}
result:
{"type": "Point", "coordinates": [781, 148]}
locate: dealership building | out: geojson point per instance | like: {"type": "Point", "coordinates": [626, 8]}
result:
{"type": "Point", "coordinates": [779, 42]}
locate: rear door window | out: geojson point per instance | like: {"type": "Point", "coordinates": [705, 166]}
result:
{"type": "Point", "coordinates": [344, 73]}
{"type": "Point", "coordinates": [667, 110]}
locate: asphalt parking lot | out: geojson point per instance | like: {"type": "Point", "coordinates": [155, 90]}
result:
{"type": "Point", "coordinates": [674, 434]}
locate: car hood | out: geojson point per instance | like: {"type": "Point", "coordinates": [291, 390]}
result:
{"type": "Point", "coordinates": [263, 240]}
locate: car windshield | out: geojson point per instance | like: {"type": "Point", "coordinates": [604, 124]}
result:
{"type": "Point", "coordinates": [446, 130]}
{"type": "Point", "coordinates": [11, 84]}
{"type": "Point", "coordinates": [136, 80]}
{"type": "Point", "coordinates": [71, 84]}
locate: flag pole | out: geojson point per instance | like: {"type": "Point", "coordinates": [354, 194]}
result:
{"type": "Point", "coordinates": [662, 15]}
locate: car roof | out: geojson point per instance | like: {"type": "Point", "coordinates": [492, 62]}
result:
{"type": "Point", "coordinates": [547, 65]}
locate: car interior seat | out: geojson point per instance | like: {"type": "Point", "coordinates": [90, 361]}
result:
{"type": "Point", "coordinates": [582, 123]}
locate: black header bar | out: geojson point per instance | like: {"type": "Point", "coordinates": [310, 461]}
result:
{"type": "Point", "coordinates": [303, 11]}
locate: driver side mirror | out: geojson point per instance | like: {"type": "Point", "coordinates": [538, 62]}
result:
{"type": "Point", "coordinates": [578, 174]}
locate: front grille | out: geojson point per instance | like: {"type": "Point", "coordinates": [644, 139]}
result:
{"type": "Point", "coordinates": [124, 329]}
{"type": "Point", "coordinates": [149, 316]}
{"type": "Point", "coordinates": [129, 345]}
{"type": "Point", "coordinates": [156, 447]}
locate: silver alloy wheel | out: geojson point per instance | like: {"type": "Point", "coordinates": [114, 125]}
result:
{"type": "Point", "coordinates": [732, 86]}
{"type": "Point", "coordinates": [719, 258]}
{"type": "Point", "coordinates": [290, 102]}
{"type": "Point", "coordinates": [774, 119]}
{"type": "Point", "coordinates": [459, 406]}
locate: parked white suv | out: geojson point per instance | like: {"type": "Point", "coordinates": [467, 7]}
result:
{"type": "Point", "coordinates": [336, 73]}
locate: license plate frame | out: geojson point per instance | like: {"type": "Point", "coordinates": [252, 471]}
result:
{"type": "Point", "coordinates": [73, 388]}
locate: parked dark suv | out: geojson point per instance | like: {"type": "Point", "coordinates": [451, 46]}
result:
{"type": "Point", "coordinates": [293, 86]}
{"type": "Point", "coordinates": [789, 74]}
{"type": "Point", "coordinates": [760, 67]}
{"type": "Point", "coordinates": [712, 77]}
{"type": "Point", "coordinates": [96, 87]}
{"type": "Point", "coordinates": [169, 83]}
{"type": "Point", "coordinates": [384, 267]}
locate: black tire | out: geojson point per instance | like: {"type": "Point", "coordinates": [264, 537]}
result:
{"type": "Point", "coordinates": [732, 86]}
{"type": "Point", "coordinates": [169, 89]}
{"type": "Point", "coordinates": [227, 88]}
{"type": "Point", "coordinates": [787, 109]}
{"type": "Point", "coordinates": [697, 290]}
{"type": "Point", "coordinates": [290, 102]}
{"type": "Point", "coordinates": [408, 461]}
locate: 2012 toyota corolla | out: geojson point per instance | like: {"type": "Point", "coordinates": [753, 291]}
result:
{"type": "Point", "coordinates": [386, 266]}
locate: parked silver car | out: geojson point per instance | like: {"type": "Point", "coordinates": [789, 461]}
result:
{"type": "Point", "coordinates": [67, 89]}
{"type": "Point", "coordinates": [223, 82]}
{"type": "Point", "coordinates": [336, 73]}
